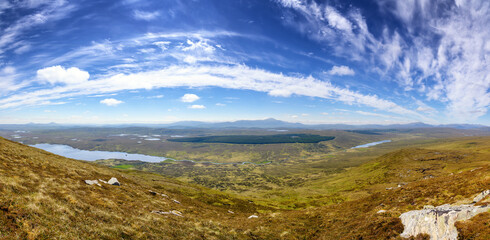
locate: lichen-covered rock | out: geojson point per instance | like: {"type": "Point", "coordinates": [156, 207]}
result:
{"type": "Point", "coordinates": [438, 222]}
{"type": "Point", "coordinates": [481, 196]}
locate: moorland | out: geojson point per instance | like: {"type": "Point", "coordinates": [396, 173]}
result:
{"type": "Point", "coordinates": [319, 190]}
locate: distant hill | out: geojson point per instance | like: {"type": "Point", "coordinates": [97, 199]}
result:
{"type": "Point", "coordinates": [269, 123]}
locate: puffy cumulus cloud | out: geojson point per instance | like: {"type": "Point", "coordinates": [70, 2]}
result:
{"type": "Point", "coordinates": [111, 102]}
{"type": "Point", "coordinates": [189, 97]}
{"type": "Point", "coordinates": [341, 71]}
{"type": "Point", "coordinates": [231, 77]}
{"type": "Point", "coordinates": [197, 107]}
{"type": "Point", "coordinates": [58, 74]}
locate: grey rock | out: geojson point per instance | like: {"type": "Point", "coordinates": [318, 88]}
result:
{"type": "Point", "coordinates": [172, 212]}
{"type": "Point", "coordinates": [438, 222]}
{"type": "Point", "coordinates": [481, 196]}
{"type": "Point", "coordinates": [175, 201]}
{"type": "Point", "coordinates": [381, 211]}
{"type": "Point", "coordinates": [253, 216]}
{"type": "Point", "coordinates": [113, 181]}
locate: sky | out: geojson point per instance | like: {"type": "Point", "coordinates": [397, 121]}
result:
{"type": "Point", "coordinates": [141, 61]}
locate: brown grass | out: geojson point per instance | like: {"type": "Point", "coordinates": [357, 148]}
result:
{"type": "Point", "coordinates": [43, 196]}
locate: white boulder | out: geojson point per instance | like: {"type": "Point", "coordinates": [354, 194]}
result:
{"type": "Point", "coordinates": [113, 181]}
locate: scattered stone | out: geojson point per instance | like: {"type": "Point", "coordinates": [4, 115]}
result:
{"type": "Point", "coordinates": [113, 181]}
{"type": "Point", "coordinates": [229, 211]}
{"type": "Point", "coordinates": [92, 182]}
{"type": "Point", "coordinates": [155, 193]}
{"type": "Point", "coordinates": [481, 196]}
{"type": "Point", "coordinates": [438, 222]}
{"type": "Point", "coordinates": [100, 180]}
{"type": "Point", "coordinates": [253, 216]}
{"type": "Point", "coordinates": [381, 211]}
{"type": "Point", "coordinates": [175, 201]}
{"type": "Point", "coordinates": [172, 212]}
{"type": "Point", "coordinates": [428, 176]}
{"type": "Point", "coordinates": [475, 169]}
{"type": "Point", "coordinates": [389, 188]}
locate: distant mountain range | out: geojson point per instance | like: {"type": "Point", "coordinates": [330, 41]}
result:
{"type": "Point", "coordinates": [269, 123]}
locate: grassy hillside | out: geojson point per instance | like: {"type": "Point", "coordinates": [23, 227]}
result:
{"type": "Point", "coordinates": [43, 196]}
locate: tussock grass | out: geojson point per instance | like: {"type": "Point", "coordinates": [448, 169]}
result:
{"type": "Point", "coordinates": [43, 196]}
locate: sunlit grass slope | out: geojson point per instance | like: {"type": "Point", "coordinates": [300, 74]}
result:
{"type": "Point", "coordinates": [43, 196]}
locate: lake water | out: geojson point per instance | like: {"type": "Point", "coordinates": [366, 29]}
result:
{"type": "Point", "coordinates": [371, 144]}
{"type": "Point", "coordinates": [70, 152]}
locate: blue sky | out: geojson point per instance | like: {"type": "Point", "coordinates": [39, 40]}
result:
{"type": "Point", "coordinates": [135, 61]}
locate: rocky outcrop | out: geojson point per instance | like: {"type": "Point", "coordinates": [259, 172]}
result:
{"type": "Point", "coordinates": [438, 222]}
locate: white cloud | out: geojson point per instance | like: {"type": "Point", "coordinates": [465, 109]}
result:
{"type": "Point", "coordinates": [197, 107]}
{"type": "Point", "coordinates": [231, 77]}
{"type": "Point", "coordinates": [422, 107]}
{"type": "Point", "coordinates": [220, 104]}
{"type": "Point", "coordinates": [336, 20]}
{"type": "Point", "coordinates": [111, 102]}
{"type": "Point", "coordinates": [454, 69]}
{"type": "Point", "coordinates": [58, 74]}
{"type": "Point", "coordinates": [50, 11]}
{"type": "Point", "coordinates": [144, 15]}
{"type": "Point", "coordinates": [162, 44]}
{"type": "Point", "coordinates": [189, 97]}
{"type": "Point", "coordinates": [157, 96]}
{"type": "Point", "coordinates": [199, 46]}
{"type": "Point", "coordinates": [341, 71]}
{"type": "Point", "coordinates": [373, 114]}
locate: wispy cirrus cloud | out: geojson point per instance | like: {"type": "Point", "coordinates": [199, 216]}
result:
{"type": "Point", "coordinates": [144, 15]}
{"type": "Point", "coordinates": [47, 11]}
{"type": "Point", "coordinates": [453, 69]}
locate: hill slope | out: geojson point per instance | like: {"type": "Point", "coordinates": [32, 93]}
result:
{"type": "Point", "coordinates": [43, 196]}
